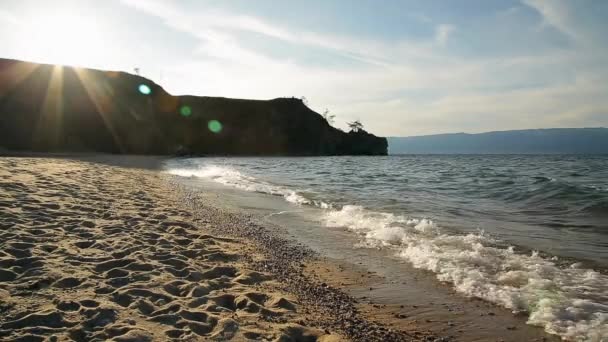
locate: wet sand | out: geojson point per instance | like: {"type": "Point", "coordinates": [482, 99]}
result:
{"type": "Point", "coordinates": [386, 288]}
{"type": "Point", "coordinates": [106, 248]}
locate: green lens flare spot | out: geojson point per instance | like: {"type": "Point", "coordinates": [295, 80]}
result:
{"type": "Point", "coordinates": [214, 126]}
{"type": "Point", "coordinates": [144, 89]}
{"type": "Point", "coordinates": [185, 111]}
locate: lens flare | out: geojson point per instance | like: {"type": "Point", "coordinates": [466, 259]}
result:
{"type": "Point", "coordinates": [185, 111]}
{"type": "Point", "coordinates": [215, 126]}
{"type": "Point", "coordinates": [144, 89]}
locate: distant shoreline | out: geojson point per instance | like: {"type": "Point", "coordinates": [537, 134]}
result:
{"type": "Point", "coordinates": [531, 141]}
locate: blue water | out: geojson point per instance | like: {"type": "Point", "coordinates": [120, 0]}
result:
{"type": "Point", "coordinates": [526, 232]}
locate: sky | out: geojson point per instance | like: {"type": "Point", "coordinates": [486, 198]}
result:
{"type": "Point", "coordinates": [402, 68]}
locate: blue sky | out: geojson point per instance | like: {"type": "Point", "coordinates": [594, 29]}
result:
{"type": "Point", "coordinates": [401, 67]}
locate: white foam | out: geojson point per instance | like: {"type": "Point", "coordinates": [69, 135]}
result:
{"type": "Point", "coordinates": [570, 302]}
{"type": "Point", "coordinates": [597, 187]}
{"type": "Point", "coordinates": [233, 178]}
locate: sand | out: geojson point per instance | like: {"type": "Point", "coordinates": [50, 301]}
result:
{"type": "Point", "coordinates": [92, 251]}
{"type": "Point", "coordinates": [89, 251]}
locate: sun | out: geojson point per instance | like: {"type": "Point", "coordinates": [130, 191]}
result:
{"type": "Point", "coordinates": [66, 38]}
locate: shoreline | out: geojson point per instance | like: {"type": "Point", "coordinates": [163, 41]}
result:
{"type": "Point", "coordinates": [299, 268]}
{"type": "Point", "coordinates": [95, 251]}
{"type": "Point", "coordinates": [424, 304]}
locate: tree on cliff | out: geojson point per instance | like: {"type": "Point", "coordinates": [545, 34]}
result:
{"type": "Point", "coordinates": [355, 126]}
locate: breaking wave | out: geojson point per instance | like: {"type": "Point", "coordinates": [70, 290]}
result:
{"type": "Point", "coordinates": [568, 301]}
{"type": "Point", "coordinates": [236, 179]}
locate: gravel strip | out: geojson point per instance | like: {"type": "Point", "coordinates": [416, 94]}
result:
{"type": "Point", "coordinates": [330, 308]}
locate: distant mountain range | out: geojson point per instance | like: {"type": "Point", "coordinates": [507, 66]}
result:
{"type": "Point", "coordinates": [530, 141]}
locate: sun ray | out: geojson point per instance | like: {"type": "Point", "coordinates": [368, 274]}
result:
{"type": "Point", "coordinates": [13, 74]}
{"type": "Point", "coordinates": [102, 100]}
{"type": "Point", "coordinates": [48, 128]}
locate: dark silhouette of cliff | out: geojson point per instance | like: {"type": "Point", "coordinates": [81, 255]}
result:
{"type": "Point", "coordinates": [529, 141]}
{"type": "Point", "coordinates": [64, 109]}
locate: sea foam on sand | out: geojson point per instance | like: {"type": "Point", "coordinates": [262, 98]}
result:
{"type": "Point", "coordinates": [570, 301]}
{"type": "Point", "coordinates": [566, 301]}
{"type": "Point", "coordinates": [236, 179]}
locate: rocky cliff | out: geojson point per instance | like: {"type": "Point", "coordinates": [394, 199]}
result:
{"type": "Point", "coordinates": [65, 109]}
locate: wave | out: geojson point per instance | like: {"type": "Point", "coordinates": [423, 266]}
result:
{"type": "Point", "coordinates": [567, 301]}
{"type": "Point", "coordinates": [570, 302]}
{"type": "Point", "coordinates": [548, 195]}
{"type": "Point", "coordinates": [236, 179]}
{"type": "Point", "coordinates": [543, 179]}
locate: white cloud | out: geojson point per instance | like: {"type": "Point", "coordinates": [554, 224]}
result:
{"type": "Point", "coordinates": [558, 14]}
{"type": "Point", "coordinates": [442, 33]}
{"type": "Point", "coordinates": [555, 106]}
{"type": "Point", "coordinates": [8, 18]}
{"type": "Point", "coordinates": [208, 24]}
{"type": "Point", "coordinates": [403, 88]}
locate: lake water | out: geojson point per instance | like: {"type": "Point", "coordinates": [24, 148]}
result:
{"type": "Point", "coordinates": [528, 233]}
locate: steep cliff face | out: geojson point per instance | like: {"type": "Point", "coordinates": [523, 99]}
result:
{"type": "Point", "coordinates": [55, 108]}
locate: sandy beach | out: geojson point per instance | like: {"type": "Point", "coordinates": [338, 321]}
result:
{"type": "Point", "coordinates": [93, 251]}
{"type": "Point", "coordinates": [431, 171]}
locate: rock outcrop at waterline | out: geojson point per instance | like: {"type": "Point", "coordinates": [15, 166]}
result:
{"type": "Point", "coordinates": [54, 108]}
